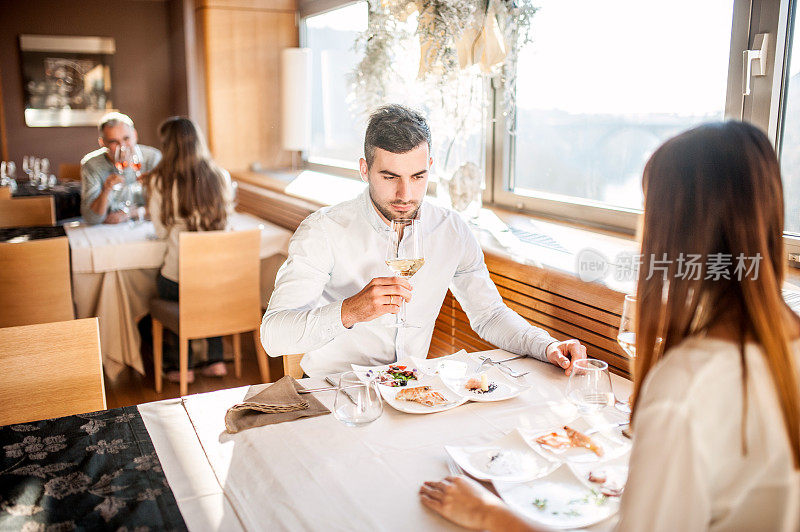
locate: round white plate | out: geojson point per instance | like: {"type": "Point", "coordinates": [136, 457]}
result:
{"type": "Point", "coordinates": [558, 500]}
{"type": "Point", "coordinates": [519, 464]}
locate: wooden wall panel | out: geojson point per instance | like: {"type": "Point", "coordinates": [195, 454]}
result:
{"type": "Point", "coordinates": [563, 305]}
{"type": "Point", "coordinates": [242, 67]}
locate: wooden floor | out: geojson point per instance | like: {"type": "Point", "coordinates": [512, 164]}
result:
{"type": "Point", "coordinates": [132, 388]}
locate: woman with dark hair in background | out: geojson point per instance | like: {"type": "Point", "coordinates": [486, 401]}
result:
{"type": "Point", "coordinates": [187, 191]}
{"type": "Point", "coordinates": [716, 393]}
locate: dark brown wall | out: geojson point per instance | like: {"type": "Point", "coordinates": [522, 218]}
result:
{"type": "Point", "coordinates": [147, 78]}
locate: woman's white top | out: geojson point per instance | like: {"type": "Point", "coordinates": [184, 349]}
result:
{"type": "Point", "coordinates": [687, 468]}
{"type": "Point", "coordinates": [172, 233]}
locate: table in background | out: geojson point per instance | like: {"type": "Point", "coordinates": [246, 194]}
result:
{"type": "Point", "coordinates": [114, 268]}
{"type": "Point", "coordinates": [24, 234]}
{"type": "Point", "coordinates": [66, 196]}
{"type": "Point", "coordinates": [317, 474]}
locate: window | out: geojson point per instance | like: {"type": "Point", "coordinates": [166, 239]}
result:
{"type": "Point", "coordinates": [604, 84]}
{"type": "Point", "coordinates": [599, 88]}
{"type": "Point", "coordinates": [337, 133]}
{"type": "Point", "coordinates": [790, 134]}
{"type": "Point", "coordinates": [338, 123]}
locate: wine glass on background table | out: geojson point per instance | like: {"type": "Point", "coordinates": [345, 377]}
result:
{"type": "Point", "coordinates": [405, 256]}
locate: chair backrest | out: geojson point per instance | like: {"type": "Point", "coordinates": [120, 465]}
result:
{"type": "Point", "coordinates": [219, 282]}
{"type": "Point", "coordinates": [26, 212]}
{"type": "Point", "coordinates": [50, 370]}
{"type": "Point", "coordinates": [35, 282]}
{"type": "Point", "coordinates": [5, 192]}
{"type": "Point", "coordinates": [69, 171]}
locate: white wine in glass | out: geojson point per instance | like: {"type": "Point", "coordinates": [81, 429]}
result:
{"type": "Point", "coordinates": [405, 256]}
{"type": "Point", "coordinates": [405, 267]}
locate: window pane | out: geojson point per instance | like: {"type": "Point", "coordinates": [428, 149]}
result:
{"type": "Point", "coordinates": [337, 135]}
{"type": "Point", "coordinates": [457, 118]}
{"type": "Point", "coordinates": [605, 83]}
{"type": "Point", "coordinates": [790, 137]}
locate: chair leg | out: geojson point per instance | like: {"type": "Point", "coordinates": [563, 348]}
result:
{"type": "Point", "coordinates": [237, 355]}
{"type": "Point", "coordinates": [261, 356]}
{"type": "Point", "coordinates": [184, 364]}
{"type": "Point", "coordinates": [158, 352]}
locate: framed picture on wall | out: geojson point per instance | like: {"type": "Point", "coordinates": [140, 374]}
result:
{"type": "Point", "coordinates": [66, 79]}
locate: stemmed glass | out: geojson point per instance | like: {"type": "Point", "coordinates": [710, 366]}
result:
{"type": "Point", "coordinates": [589, 386]}
{"type": "Point", "coordinates": [626, 338]}
{"type": "Point", "coordinates": [357, 402]}
{"type": "Point", "coordinates": [405, 256]}
{"type": "Point", "coordinates": [122, 160]}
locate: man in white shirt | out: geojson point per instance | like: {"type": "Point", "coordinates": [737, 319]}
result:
{"type": "Point", "coordinates": [334, 298]}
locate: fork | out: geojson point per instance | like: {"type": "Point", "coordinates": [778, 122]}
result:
{"type": "Point", "coordinates": [453, 467]}
{"type": "Point", "coordinates": [508, 371]}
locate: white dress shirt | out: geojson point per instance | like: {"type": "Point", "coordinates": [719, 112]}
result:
{"type": "Point", "coordinates": [337, 250]}
{"type": "Point", "coordinates": [687, 468]}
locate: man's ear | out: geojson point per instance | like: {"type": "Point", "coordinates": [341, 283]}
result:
{"type": "Point", "coordinates": [100, 142]}
{"type": "Point", "coordinates": [363, 170]}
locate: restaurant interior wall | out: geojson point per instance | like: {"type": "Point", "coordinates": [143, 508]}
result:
{"type": "Point", "coordinates": [148, 69]}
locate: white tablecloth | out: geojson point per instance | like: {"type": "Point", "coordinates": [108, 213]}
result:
{"type": "Point", "coordinates": [114, 268]}
{"type": "Point", "coordinates": [317, 474]}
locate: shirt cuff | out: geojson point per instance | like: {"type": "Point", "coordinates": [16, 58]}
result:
{"type": "Point", "coordinates": [331, 319]}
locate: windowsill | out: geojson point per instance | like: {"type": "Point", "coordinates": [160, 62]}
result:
{"type": "Point", "coordinates": [564, 241]}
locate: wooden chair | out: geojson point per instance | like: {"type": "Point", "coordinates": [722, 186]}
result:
{"type": "Point", "coordinates": [50, 370]}
{"type": "Point", "coordinates": [69, 172]}
{"type": "Point", "coordinates": [5, 193]}
{"type": "Point", "coordinates": [35, 284]}
{"type": "Point", "coordinates": [26, 212]}
{"type": "Point", "coordinates": [218, 270]}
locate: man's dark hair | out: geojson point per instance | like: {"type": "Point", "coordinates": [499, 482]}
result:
{"type": "Point", "coordinates": [395, 128]}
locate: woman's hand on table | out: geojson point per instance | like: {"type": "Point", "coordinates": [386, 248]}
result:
{"type": "Point", "coordinates": [466, 503]}
{"type": "Point", "coordinates": [564, 354]}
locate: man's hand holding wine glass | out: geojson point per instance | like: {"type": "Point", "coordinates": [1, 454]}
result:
{"type": "Point", "coordinates": [382, 295]}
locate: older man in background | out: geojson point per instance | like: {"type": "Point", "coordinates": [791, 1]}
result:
{"type": "Point", "coordinates": [102, 187]}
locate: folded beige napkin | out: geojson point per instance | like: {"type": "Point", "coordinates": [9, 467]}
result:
{"type": "Point", "coordinates": [277, 403]}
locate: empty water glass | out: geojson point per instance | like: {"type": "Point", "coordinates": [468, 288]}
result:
{"type": "Point", "coordinates": [357, 403]}
{"type": "Point", "coordinates": [589, 386]}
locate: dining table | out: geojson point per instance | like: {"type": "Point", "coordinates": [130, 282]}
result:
{"type": "Point", "coordinates": [312, 473]}
{"type": "Point", "coordinates": [114, 270]}
{"type": "Point", "coordinates": [66, 196]}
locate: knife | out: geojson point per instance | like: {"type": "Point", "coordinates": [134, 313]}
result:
{"type": "Point", "coordinates": [329, 379]}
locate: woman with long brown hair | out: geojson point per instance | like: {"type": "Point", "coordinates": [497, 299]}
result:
{"type": "Point", "coordinates": [716, 382]}
{"type": "Point", "coordinates": [187, 191]}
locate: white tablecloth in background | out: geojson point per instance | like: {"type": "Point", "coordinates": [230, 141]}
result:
{"type": "Point", "coordinates": [114, 268]}
{"type": "Point", "coordinates": [317, 474]}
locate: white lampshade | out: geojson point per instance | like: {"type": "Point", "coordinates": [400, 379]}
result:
{"type": "Point", "coordinates": [296, 93]}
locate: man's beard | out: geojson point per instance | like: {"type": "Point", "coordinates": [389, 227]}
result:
{"type": "Point", "coordinates": [410, 215]}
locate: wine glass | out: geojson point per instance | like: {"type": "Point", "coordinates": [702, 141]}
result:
{"type": "Point", "coordinates": [626, 338]}
{"type": "Point", "coordinates": [27, 166]}
{"type": "Point", "coordinates": [357, 402]}
{"type": "Point", "coordinates": [122, 160]}
{"type": "Point", "coordinates": [589, 386]}
{"type": "Point", "coordinates": [136, 159]}
{"type": "Point", "coordinates": [405, 256]}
